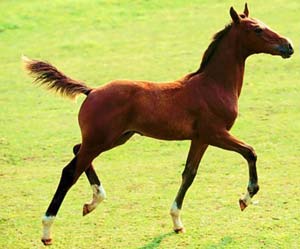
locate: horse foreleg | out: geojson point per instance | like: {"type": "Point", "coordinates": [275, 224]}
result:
{"type": "Point", "coordinates": [97, 188]}
{"type": "Point", "coordinates": [225, 141]}
{"type": "Point", "coordinates": [196, 152]}
{"type": "Point", "coordinates": [253, 187]}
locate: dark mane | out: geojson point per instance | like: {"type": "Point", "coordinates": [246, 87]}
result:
{"type": "Point", "coordinates": [208, 54]}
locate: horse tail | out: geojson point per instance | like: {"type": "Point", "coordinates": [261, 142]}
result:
{"type": "Point", "coordinates": [46, 74]}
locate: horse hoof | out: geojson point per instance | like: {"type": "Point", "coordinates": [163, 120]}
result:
{"type": "Point", "coordinates": [179, 230]}
{"type": "Point", "coordinates": [243, 205]}
{"type": "Point", "coordinates": [85, 209]}
{"type": "Point", "coordinates": [47, 242]}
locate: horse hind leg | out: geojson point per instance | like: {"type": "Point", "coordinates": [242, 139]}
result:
{"type": "Point", "coordinates": [97, 188]}
{"type": "Point", "coordinates": [65, 183]}
{"type": "Point", "coordinates": [69, 176]}
{"type": "Point", "coordinates": [99, 193]}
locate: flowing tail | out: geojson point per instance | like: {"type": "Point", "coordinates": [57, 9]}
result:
{"type": "Point", "coordinates": [48, 75]}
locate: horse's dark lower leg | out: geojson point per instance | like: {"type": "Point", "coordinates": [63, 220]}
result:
{"type": "Point", "coordinates": [98, 190]}
{"type": "Point", "coordinates": [69, 176]}
{"type": "Point", "coordinates": [92, 176]}
{"type": "Point", "coordinates": [66, 181]}
{"type": "Point", "coordinates": [253, 186]}
{"type": "Point", "coordinates": [228, 142]}
{"type": "Point", "coordinates": [195, 154]}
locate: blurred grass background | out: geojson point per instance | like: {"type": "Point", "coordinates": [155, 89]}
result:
{"type": "Point", "coordinates": [97, 41]}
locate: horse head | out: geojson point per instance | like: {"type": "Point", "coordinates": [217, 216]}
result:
{"type": "Point", "coordinates": [257, 37]}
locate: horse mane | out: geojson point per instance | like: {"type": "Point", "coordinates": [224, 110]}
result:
{"type": "Point", "coordinates": [208, 54]}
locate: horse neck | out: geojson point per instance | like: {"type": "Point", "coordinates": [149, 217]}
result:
{"type": "Point", "coordinates": [227, 65]}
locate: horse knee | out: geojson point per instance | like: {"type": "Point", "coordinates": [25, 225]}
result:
{"type": "Point", "coordinates": [253, 189]}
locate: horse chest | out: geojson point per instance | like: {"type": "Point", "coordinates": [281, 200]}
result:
{"type": "Point", "coordinates": [220, 110]}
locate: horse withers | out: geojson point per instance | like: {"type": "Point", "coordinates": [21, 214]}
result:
{"type": "Point", "coordinates": [200, 107]}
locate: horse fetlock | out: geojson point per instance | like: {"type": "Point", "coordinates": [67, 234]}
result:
{"type": "Point", "coordinates": [99, 193]}
{"type": "Point", "coordinates": [246, 200]}
{"type": "Point", "coordinates": [253, 189]}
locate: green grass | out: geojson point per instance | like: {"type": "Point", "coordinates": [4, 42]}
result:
{"type": "Point", "coordinates": [97, 41]}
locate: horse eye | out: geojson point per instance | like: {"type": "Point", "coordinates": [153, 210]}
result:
{"type": "Point", "coordinates": [258, 30]}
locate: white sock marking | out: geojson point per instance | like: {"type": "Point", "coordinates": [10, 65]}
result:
{"type": "Point", "coordinates": [247, 198]}
{"type": "Point", "coordinates": [98, 196]}
{"type": "Point", "coordinates": [175, 213]}
{"type": "Point", "coordinates": [47, 222]}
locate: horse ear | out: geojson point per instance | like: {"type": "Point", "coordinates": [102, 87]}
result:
{"type": "Point", "coordinates": [235, 16]}
{"type": "Point", "coordinates": [246, 10]}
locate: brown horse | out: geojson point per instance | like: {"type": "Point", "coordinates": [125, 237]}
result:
{"type": "Point", "coordinates": [201, 107]}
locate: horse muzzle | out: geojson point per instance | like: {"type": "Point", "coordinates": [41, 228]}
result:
{"type": "Point", "coordinates": [285, 50]}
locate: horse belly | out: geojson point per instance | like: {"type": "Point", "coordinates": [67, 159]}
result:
{"type": "Point", "coordinates": [164, 125]}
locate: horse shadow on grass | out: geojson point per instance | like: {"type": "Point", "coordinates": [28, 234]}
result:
{"type": "Point", "coordinates": [155, 243]}
{"type": "Point", "coordinates": [225, 242]}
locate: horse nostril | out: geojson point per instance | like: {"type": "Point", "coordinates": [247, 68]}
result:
{"type": "Point", "coordinates": [286, 50]}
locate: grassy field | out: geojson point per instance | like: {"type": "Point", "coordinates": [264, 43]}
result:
{"type": "Point", "coordinates": [97, 41]}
